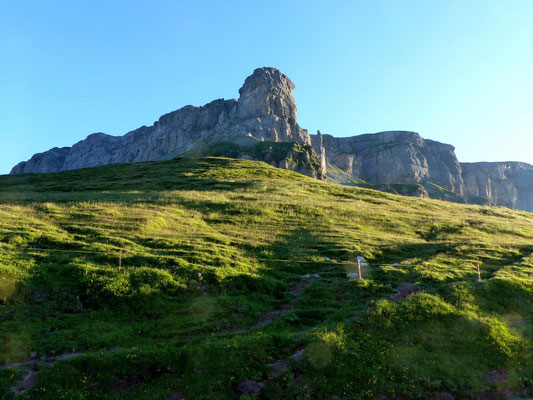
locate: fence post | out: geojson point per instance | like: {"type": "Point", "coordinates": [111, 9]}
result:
{"type": "Point", "coordinates": [359, 268]}
{"type": "Point", "coordinates": [478, 273]}
{"type": "Point", "coordinates": [120, 261]}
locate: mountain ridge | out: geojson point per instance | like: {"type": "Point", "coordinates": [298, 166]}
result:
{"type": "Point", "coordinates": [266, 112]}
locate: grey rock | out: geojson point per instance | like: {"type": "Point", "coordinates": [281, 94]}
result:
{"type": "Point", "coordinates": [266, 111]}
{"type": "Point", "coordinates": [310, 276]}
{"type": "Point", "coordinates": [393, 157]}
{"type": "Point", "coordinates": [496, 375]}
{"type": "Point", "coordinates": [267, 92]}
{"type": "Point", "coordinates": [284, 365]}
{"type": "Point", "coordinates": [50, 161]}
{"type": "Point", "coordinates": [250, 387]}
{"type": "Point", "coordinates": [298, 356]}
{"type": "Point", "coordinates": [508, 184]}
{"type": "Point", "coordinates": [27, 382]}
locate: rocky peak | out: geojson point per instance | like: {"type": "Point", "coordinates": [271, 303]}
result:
{"type": "Point", "coordinates": [267, 92]}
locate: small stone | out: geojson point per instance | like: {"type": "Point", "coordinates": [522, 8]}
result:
{"type": "Point", "coordinates": [298, 356]}
{"type": "Point", "coordinates": [309, 276]}
{"type": "Point", "coordinates": [496, 375]}
{"type": "Point", "coordinates": [327, 259]}
{"type": "Point", "coordinates": [250, 387]}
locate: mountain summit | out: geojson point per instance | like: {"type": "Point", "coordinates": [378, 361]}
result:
{"type": "Point", "coordinates": [265, 111]}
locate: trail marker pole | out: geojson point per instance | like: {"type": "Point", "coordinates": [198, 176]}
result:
{"type": "Point", "coordinates": [359, 268]}
{"type": "Point", "coordinates": [120, 261]}
{"type": "Point", "coordinates": [478, 273]}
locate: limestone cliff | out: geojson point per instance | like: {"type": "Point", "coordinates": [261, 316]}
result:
{"type": "Point", "coordinates": [394, 157]}
{"type": "Point", "coordinates": [508, 184]}
{"type": "Point", "coordinates": [265, 111]}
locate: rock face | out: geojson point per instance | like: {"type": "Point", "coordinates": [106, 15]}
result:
{"type": "Point", "coordinates": [261, 125]}
{"type": "Point", "coordinates": [267, 92]}
{"type": "Point", "coordinates": [508, 184]}
{"type": "Point", "coordinates": [50, 161]}
{"type": "Point", "coordinates": [265, 111]}
{"type": "Point", "coordinates": [286, 155]}
{"type": "Point", "coordinates": [394, 157]}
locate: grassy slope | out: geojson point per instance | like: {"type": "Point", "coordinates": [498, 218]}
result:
{"type": "Point", "coordinates": [179, 315]}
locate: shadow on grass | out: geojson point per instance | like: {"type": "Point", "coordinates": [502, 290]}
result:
{"type": "Point", "coordinates": [280, 264]}
{"type": "Point", "coordinates": [422, 251]}
{"type": "Point", "coordinates": [127, 182]}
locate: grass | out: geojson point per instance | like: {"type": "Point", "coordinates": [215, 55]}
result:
{"type": "Point", "coordinates": [212, 246]}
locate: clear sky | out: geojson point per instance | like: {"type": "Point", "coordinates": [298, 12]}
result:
{"type": "Point", "coordinates": [456, 71]}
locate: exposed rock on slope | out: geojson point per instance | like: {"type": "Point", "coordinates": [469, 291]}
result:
{"type": "Point", "coordinates": [394, 157]}
{"type": "Point", "coordinates": [287, 155]}
{"type": "Point", "coordinates": [508, 184]}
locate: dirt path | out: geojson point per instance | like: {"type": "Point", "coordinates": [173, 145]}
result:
{"type": "Point", "coordinates": [29, 380]}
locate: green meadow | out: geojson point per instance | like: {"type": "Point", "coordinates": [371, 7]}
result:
{"type": "Point", "coordinates": [181, 279]}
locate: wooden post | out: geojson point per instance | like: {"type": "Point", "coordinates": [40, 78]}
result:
{"type": "Point", "coordinates": [359, 268]}
{"type": "Point", "coordinates": [120, 261]}
{"type": "Point", "coordinates": [478, 273]}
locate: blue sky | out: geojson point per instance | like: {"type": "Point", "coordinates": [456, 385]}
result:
{"type": "Point", "coordinates": [456, 71]}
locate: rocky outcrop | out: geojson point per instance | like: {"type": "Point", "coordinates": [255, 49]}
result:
{"type": "Point", "coordinates": [50, 161]}
{"type": "Point", "coordinates": [265, 111]}
{"type": "Point", "coordinates": [508, 184]}
{"type": "Point", "coordinates": [287, 155]}
{"type": "Point", "coordinates": [393, 157]}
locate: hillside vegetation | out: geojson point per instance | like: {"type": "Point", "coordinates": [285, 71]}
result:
{"type": "Point", "coordinates": [185, 278]}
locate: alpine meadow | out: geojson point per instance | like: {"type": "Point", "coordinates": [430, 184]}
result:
{"type": "Point", "coordinates": [266, 200]}
{"type": "Point", "coordinates": [216, 278]}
